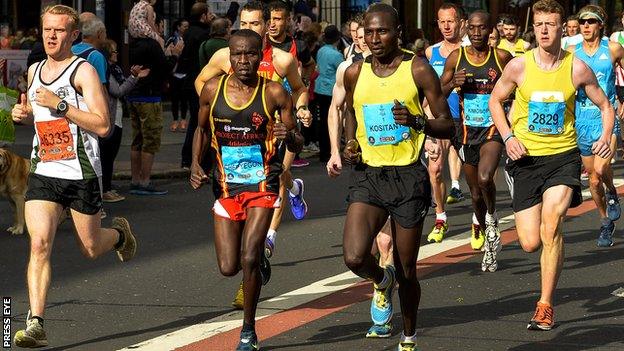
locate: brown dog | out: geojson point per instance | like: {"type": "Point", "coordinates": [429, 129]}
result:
{"type": "Point", "coordinates": [13, 185]}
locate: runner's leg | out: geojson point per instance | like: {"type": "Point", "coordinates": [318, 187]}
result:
{"type": "Point", "coordinates": [228, 245]}
{"type": "Point", "coordinates": [94, 240]}
{"type": "Point", "coordinates": [407, 243]}
{"type": "Point", "coordinates": [436, 178]}
{"type": "Point", "coordinates": [254, 234]}
{"type": "Point", "coordinates": [556, 201]}
{"type": "Point", "coordinates": [363, 222]}
{"type": "Point", "coordinates": [489, 157]}
{"type": "Point", "coordinates": [384, 245]}
{"type": "Point", "coordinates": [41, 220]}
{"type": "Point", "coordinates": [528, 226]}
{"type": "Point", "coordinates": [478, 205]}
{"type": "Point", "coordinates": [438, 189]}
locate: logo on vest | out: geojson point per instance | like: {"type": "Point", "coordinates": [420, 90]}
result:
{"type": "Point", "coordinates": [62, 92]}
{"type": "Point", "coordinates": [492, 74]}
{"type": "Point", "coordinates": [256, 120]}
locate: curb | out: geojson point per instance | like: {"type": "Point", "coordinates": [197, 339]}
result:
{"type": "Point", "coordinates": [167, 174]}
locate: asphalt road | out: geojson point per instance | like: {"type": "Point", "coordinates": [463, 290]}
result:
{"type": "Point", "coordinates": [174, 281]}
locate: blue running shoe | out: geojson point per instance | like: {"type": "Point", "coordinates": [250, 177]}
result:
{"type": "Point", "coordinates": [248, 341]}
{"type": "Point", "coordinates": [298, 205]}
{"type": "Point", "coordinates": [613, 206]}
{"type": "Point", "coordinates": [379, 331]}
{"type": "Point", "coordinates": [381, 304]}
{"type": "Point", "coordinates": [606, 235]}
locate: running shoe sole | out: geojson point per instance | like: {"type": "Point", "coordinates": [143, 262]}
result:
{"type": "Point", "coordinates": [379, 331]}
{"type": "Point", "coordinates": [25, 341]}
{"type": "Point", "coordinates": [533, 325]}
{"type": "Point", "coordinates": [128, 250]}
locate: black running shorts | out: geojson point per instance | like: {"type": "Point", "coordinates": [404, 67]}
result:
{"type": "Point", "coordinates": [471, 153]}
{"type": "Point", "coordinates": [404, 191]}
{"type": "Point", "coordinates": [532, 175]}
{"type": "Point", "coordinates": [83, 196]}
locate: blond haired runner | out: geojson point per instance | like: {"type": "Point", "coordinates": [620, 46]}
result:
{"type": "Point", "coordinates": [545, 162]}
{"type": "Point", "coordinates": [69, 109]}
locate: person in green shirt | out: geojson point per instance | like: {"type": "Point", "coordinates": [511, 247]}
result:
{"type": "Point", "coordinates": [219, 35]}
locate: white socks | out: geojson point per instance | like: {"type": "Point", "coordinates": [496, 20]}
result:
{"type": "Point", "coordinates": [474, 219]}
{"type": "Point", "coordinates": [491, 218]}
{"type": "Point", "coordinates": [441, 216]}
{"type": "Point", "coordinates": [271, 235]}
{"type": "Point", "coordinates": [408, 338]}
{"type": "Point", "coordinates": [294, 191]}
{"type": "Point", "coordinates": [455, 184]}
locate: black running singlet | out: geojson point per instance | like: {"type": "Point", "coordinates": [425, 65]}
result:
{"type": "Point", "coordinates": [244, 149]}
{"type": "Point", "coordinates": [475, 93]}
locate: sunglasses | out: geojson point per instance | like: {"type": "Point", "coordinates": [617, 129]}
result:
{"type": "Point", "coordinates": [588, 20]}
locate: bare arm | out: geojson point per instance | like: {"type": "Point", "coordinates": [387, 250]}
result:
{"type": "Point", "coordinates": [202, 133]}
{"type": "Point", "coordinates": [441, 126]}
{"type": "Point", "coordinates": [350, 78]}
{"type": "Point", "coordinates": [451, 79]}
{"type": "Point", "coordinates": [334, 118]}
{"type": "Point", "coordinates": [97, 119]}
{"type": "Point", "coordinates": [286, 66]}
{"type": "Point", "coordinates": [617, 52]}
{"type": "Point", "coordinates": [286, 127]}
{"type": "Point", "coordinates": [219, 64]}
{"type": "Point", "coordinates": [22, 111]}
{"type": "Point", "coordinates": [512, 76]}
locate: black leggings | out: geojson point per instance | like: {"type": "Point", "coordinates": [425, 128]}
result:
{"type": "Point", "coordinates": [324, 103]}
{"type": "Point", "coordinates": [179, 100]}
{"type": "Point", "coordinates": [108, 151]}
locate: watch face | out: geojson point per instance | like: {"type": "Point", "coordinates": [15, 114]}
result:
{"type": "Point", "coordinates": [62, 107]}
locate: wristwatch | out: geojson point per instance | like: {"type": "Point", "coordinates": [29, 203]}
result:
{"type": "Point", "coordinates": [419, 124]}
{"type": "Point", "coordinates": [62, 108]}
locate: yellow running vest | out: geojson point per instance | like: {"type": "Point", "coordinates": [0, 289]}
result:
{"type": "Point", "coordinates": [543, 113]}
{"type": "Point", "coordinates": [383, 142]}
{"type": "Point", "coordinates": [516, 49]}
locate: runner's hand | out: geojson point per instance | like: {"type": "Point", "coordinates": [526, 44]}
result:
{"type": "Point", "coordinates": [351, 152]}
{"type": "Point", "coordinates": [46, 98]}
{"type": "Point", "coordinates": [334, 166]}
{"type": "Point", "coordinates": [515, 149]}
{"type": "Point", "coordinates": [601, 148]}
{"type": "Point", "coordinates": [433, 149]}
{"type": "Point", "coordinates": [20, 110]}
{"type": "Point", "coordinates": [279, 131]}
{"type": "Point", "coordinates": [459, 78]}
{"type": "Point", "coordinates": [401, 115]}
{"type": "Point", "coordinates": [305, 116]}
{"type": "Point", "coordinates": [198, 176]}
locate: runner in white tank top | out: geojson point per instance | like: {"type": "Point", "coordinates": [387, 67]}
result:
{"type": "Point", "coordinates": [67, 105]}
{"type": "Point", "coordinates": [73, 155]}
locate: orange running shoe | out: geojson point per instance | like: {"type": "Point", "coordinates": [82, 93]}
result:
{"type": "Point", "coordinates": [543, 317]}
